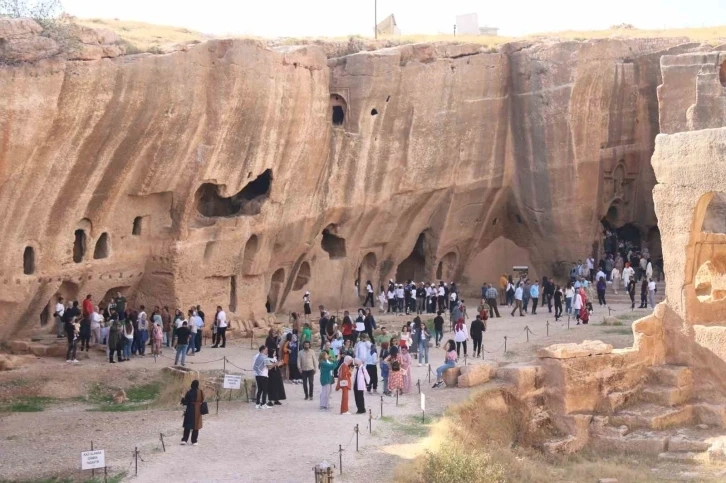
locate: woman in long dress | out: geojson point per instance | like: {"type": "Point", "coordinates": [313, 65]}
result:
{"type": "Point", "coordinates": [343, 384]}
{"type": "Point", "coordinates": [294, 370]}
{"type": "Point", "coordinates": [395, 374]}
{"type": "Point", "coordinates": [275, 387]}
{"type": "Point", "coordinates": [406, 363]}
{"type": "Point", "coordinates": [193, 413]}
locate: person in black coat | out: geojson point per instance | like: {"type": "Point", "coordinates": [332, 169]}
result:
{"type": "Point", "coordinates": [193, 400]}
{"type": "Point", "coordinates": [275, 386]}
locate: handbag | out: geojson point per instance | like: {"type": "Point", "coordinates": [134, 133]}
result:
{"type": "Point", "coordinates": [204, 409]}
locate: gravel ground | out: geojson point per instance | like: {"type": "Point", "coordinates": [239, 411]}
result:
{"type": "Point", "coordinates": [240, 444]}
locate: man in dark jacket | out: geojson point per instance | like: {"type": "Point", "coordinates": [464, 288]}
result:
{"type": "Point", "coordinates": [478, 327]}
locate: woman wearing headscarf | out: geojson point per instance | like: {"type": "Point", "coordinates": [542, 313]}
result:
{"type": "Point", "coordinates": [361, 379]}
{"type": "Point", "coordinates": [114, 341]}
{"type": "Point", "coordinates": [343, 383]}
{"type": "Point", "coordinates": [306, 306]}
{"type": "Point", "coordinates": [294, 370]}
{"type": "Point", "coordinates": [193, 413]}
{"type": "Point", "coordinates": [584, 312]}
{"type": "Point", "coordinates": [275, 387]}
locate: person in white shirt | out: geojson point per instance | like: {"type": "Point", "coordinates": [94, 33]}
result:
{"type": "Point", "coordinates": [399, 298]}
{"type": "Point", "coordinates": [391, 300]}
{"type": "Point", "coordinates": [590, 267]}
{"type": "Point", "coordinates": [143, 335]}
{"type": "Point", "coordinates": [577, 305]}
{"type": "Point", "coordinates": [59, 310]}
{"type": "Point", "coordinates": [193, 331]}
{"type": "Point", "coordinates": [615, 276]}
{"type": "Point", "coordinates": [628, 273]}
{"type": "Point", "coordinates": [362, 347]}
{"type": "Point", "coordinates": [96, 319]}
{"type": "Point", "coordinates": [461, 334]}
{"type": "Point", "coordinates": [441, 296]}
{"type": "Point", "coordinates": [382, 301]}
{"type": "Point", "coordinates": [518, 294]}
{"type": "Point", "coordinates": [651, 292]}
{"type": "Point", "coordinates": [600, 274]}
{"type": "Point", "coordinates": [221, 328]}
{"type": "Point", "coordinates": [369, 294]}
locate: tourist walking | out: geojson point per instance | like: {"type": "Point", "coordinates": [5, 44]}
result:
{"type": "Point", "coordinates": [182, 343]}
{"type": "Point", "coordinates": [275, 386]}
{"type": "Point", "coordinates": [652, 289]}
{"type": "Point", "coordinates": [643, 294]}
{"type": "Point", "coordinates": [534, 293]}
{"type": "Point", "coordinates": [631, 292]}
{"type": "Point", "coordinates": [569, 297]}
{"type": "Point", "coordinates": [221, 328]}
{"type": "Point", "coordinates": [518, 295]}
{"type": "Point", "coordinates": [461, 335]}
{"type": "Point", "coordinates": [327, 367]}
{"type": "Point", "coordinates": [361, 380]}
{"type": "Point", "coordinates": [129, 335]}
{"type": "Point", "coordinates": [369, 294]}
{"type": "Point", "coordinates": [58, 314]}
{"type": "Point", "coordinates": [616, 279]}
{"type": "Point", "coordinates": [372, 368]}
{"type": "Point", "coordinates": [491, 301]}
{"type": "Point", "coordinates": [308, 363]}
{"type": "Point", "coordinates": [307, 311]}
{"type": "Point", "coordinates": [195, 408]}
{"type": "Point", "coordinates": [343, 383]}
{"type": "Point", "coordinates": [601, 287]}
{"type": "Point", "coordinates": [156, 338]}
{"type": "Point", "coordinates": [558, 296]}
{"type": "Point", "coordinates": [261, 368]}
{"type": "Point", "coordinates": [438, 328]}
{"type": "Point", "coordinates": [115, 342]}
{"type": "Point", "coordinates": [478, 327]}
{"type": "Point", "coordinates": [424, 336]}
{"type": "Point", "coordinates": [395, 375]}
{"type": "Point", "coordinates": [449, 363]}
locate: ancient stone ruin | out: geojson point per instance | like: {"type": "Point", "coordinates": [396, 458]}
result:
{"type": "Point", "coordinates": [237, 174]}
{"type": "Point", "coordinates": [665, 395]}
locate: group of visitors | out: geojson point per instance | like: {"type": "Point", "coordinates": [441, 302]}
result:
{"type": "Point", "coordinates": [128, 331]}
{"type": "Point", "coordinates": [408, 298]}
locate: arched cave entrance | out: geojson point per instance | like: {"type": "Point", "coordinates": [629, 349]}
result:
{"type": "Point", "coordinates": [338, 109]}
{"type": "Point", "coordinates": [248, 201]}
{"type": "Point", "coordinates": [303, 276]}
{"type": "Point", "coordinates": [367, 271]}
{"type": "Point", "coordinates": [79, 245]}
{"type": "Point", "coordinates": [447, 267]}
{"type": "Point", "coordinates": [251, 248]}
{"type": "Point", "coordinates": [29, 261]}
{"type": "Point", "coordinates": [276, 285]}
{"type": "Point", "coordinates": [414, 267]}
{"type": "Point", "coordinates": [139, 223]}
{"type": "Point", "coordinates": [102, 247]}
{"type": "Point", "coordinates": [68, 290]}
{"type": "Point", "coordinates": [332, 243]}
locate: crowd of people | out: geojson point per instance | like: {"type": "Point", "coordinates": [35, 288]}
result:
{"type": "Point", "coordinates": [128, 332]}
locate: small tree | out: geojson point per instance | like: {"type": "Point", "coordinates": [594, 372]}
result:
{"type": "Point", "coordinates": [50, 15]}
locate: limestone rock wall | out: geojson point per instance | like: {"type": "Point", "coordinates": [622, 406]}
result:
{"type": "Point", "coordinates": [214, 175]}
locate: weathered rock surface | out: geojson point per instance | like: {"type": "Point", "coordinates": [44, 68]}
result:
{"type": "Point", "coordinates": [476, 374]}
{"type": "Point", "coordinates": [214, 175]}
{"type": "Point", "coordinates": [568, 351]}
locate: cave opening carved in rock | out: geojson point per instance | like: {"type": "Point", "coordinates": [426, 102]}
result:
{"type": "Point", "coordinates": [714, 221]}
{"type": "Point", "coordinates": [333, 244]}
{"type": "Point", "coordinates": [276, 286]}
{"type": "Point", "coordinates": [447, 267]}
{"type": "Point", "coordinates": [251, 248]}
{"type": "Point", "coordinates": [249, 201]}
{"type": "Point", "coordinates": [338, 108]}
{"type": "Point", "coordinates": [303, 276]}
{"type": "Point", "coordinates": [366, 272]}
{"type": "Point", "coordinates": [233, 294]}
{"type": "Point", "coordinates": [79, 245]}
{"type": "Point", "coordinates": [69, 291]}
{"type": "Point", "coordinates": [102, 247]}
{"type": "Point", "coordinates": [414, 267]}
{"type": "Point", "coordinates": [29, 261]}
{"type": "Point", "coordinates": [138, 227]}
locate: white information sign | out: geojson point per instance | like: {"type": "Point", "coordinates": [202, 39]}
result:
{"type": "Point", "coordinates": [91, 460]}
{"type": "Point", "coordinates": [423, 402]}
{"type": "Point", "coordinates": [232, 382]}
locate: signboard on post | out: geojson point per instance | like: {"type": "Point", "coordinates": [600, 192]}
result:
{"type": "Point", "coordinates": [232, 381]}
{"type": "Point", "coordinates": [91, 460]}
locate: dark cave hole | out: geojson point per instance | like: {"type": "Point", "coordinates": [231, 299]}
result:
{"type": "Point", "coordinates": [338, 115]}
{"type": "Point", "coordinates": [374, 112]}
{"type": "Point", "coordinates": [249, 201]}
{"type": "Point", "coordinates": [102, 247]}
{"type": "Point", "coordinates": [29, 261]}
{"type": "Point", "coordinates": [414, 267]}
{"type": "Point", "coordinates": [333, 244]}
{"type": "Point", "coordinates": [79, 245]}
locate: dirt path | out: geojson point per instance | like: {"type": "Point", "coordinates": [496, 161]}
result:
{"type": "Point", "coordinates": [241, 443]}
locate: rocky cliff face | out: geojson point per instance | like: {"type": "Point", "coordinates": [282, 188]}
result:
{"type": "Point", "coordinates": [235, 174]}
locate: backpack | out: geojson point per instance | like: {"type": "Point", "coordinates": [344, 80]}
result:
{"type": "Point", "coordinates": [395, 365]}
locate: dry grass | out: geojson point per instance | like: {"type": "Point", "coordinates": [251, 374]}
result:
{"type": "Point", "coordinates": [144, 37]}
{"type": "Point", "coordinates": [495, 437]}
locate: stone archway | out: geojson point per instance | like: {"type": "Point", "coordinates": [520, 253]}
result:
{"type": "Point", "coordinates": [276, 287]}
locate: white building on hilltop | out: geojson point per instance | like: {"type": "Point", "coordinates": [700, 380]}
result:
{"type": "Point", "coordinates": [468, 24]}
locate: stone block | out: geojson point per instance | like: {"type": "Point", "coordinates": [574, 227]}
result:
{"type": "Point", "coordinates": [710, 414]}
{"type": "Point", "coordinates": [522, 376]}
{"type": "Point", "coordinates": [653, 417]}
{"type": "Point", "coordinates": [685, 444]}
{"type": "Point", "coordinates": [451, 376]}
{"type": "Point", "coordinates": [38, 350]}
{"type": "Point", "coordinates": [476, 374]}
{"type": "Point", "coordinates": [568, 351]}
{"type": "Point", "coordinates": [666, 395]}
{"type": "Point", "coordinates": [19, 346]}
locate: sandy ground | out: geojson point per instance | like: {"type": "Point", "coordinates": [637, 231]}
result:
{"type": "Point", "coordinates": [243, 444]}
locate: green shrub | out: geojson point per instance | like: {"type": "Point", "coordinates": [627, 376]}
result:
{"type": "Point", "coordinates": [455, 462]}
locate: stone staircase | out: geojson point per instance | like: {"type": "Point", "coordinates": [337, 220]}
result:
{"type": "Point", "coordinates": [663, 418]}
{"type": "Point", "coordinates": [622, 296]}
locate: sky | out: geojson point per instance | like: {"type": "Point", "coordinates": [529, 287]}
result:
{"type": "Point", "coordinates": [336, 18]}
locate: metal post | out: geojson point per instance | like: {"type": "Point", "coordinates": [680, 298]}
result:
{"type": "Point", "coordinates": [93, 472]}
{"type": "Point", "coordinates": [454, 30]}
{"type": "Point", "coordinates": [136, 459]}
{"type": "Point", "coordinates": [224, 364]}
{"type": "Point", "coordinates": [423, 416]}
{"type": "Point", "coordinates": [548, 328]}
{"type": "Point", "coordinates": [247, 393]}
{"type": "Point", "coordinates": [105, 474]}
{"type": "Point", "coordinates": [429, 373]}
{"type": "Point", "coordinates": [526, 330]}
{"type": "Point", "coordinates": [356, 438]}
{"type": "Point", "coordinates": [163, 446]}
{"type": "Point", "coordinates": [505, 344]}
{"type": "Point", "coordinates": [418, 384]}
{"type": "Point", "coordinates": [217, 398]}
{"type": "Point", "coordinates": [568, 323]}
{"type": "Point", "coordinates": [396, 397]}
{"type": "Point", "coordinates": [340, 456]}
{"type": "Point", "coordinates": [381, 406]}
{"type": "Point", "coordinates": [465, 360]}
{"type": "Point", "coordinates": [370, 421]}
